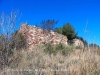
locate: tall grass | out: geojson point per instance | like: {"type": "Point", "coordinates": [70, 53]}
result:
{"type": "Point", "coordinates": [37, 62]}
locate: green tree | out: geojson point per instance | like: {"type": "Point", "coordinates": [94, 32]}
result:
{"type": "Point", "coordinates": [59, 30]}
{"type": "Point", "coordinates": [69, 31]}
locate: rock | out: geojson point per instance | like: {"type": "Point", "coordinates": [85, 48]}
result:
{"type": "Point", "coordinates": [35, 35]}
{"type": "Point", "coordinates": [78, 42]}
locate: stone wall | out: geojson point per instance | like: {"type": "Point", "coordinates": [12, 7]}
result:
{"type": "Point", "coordinates": [78, 42]}
{"type": "Point", "coordinates": [35, 35]}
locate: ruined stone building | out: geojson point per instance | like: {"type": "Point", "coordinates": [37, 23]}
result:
{"type": "Point", "coordinates": [78, 42]}
{"type": "Point", "coordinates": [35, 35]}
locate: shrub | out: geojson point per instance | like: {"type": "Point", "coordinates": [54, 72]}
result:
{"type": "Point", "coordinates": [60, 46]}
{"type": "Point", "coordinates": [54, 49]}
{"type": "Point", "coordinates": [67, 51]}
{"type": "Point", "coordinates": [7, 47]}
{"type": "Point", "coordinates": [49, 48]}
{"type": "Point", "coordinates": [7, 27]}
{"type": "Point", "coordinates": [18, 41]}
{"type": "Point", "coordinates": [3, 52]}
{"type": "Point", "coordinates": [78, 47]}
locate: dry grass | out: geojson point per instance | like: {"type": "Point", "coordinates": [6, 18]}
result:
{"type": "Point", "coordinates": [36, 62]}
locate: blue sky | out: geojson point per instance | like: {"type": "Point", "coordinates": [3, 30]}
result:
{"type": "Point", "coordinates": [83, 15]}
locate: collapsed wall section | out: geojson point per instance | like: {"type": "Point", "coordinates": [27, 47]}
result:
{"type": "Point", "coordinates": [35, 35]}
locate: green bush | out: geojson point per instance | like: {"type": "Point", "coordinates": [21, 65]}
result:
{"type": "Point", "coordinates": [78, 47]}
{"type": "Point", "coordinates": [54, 49]}
{"type": "Point", "coordinates": [8, 45]}
{"type": "Point", "coordinates": [60, 47]}
{"type": "Point", "coordinates": [18, 41]}
{"type": "Point", "coordinates": [49, 48]}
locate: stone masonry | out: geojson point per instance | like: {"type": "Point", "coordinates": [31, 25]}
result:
{"type": "Point", "coordinates": [78, 42]}
{"type": "Point", "coordinates": [35, 35]}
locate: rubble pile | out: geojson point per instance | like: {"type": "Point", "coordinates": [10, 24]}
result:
{"type": "Point", "coordinates": [35, 35]}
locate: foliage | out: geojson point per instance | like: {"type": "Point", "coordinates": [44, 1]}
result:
{"type": "Point", "coordinates": [67, 30]}
{"type": "Point", "coordinates": [70, 32]}
{"type": "Point", "coordinates": [48, 24]}
{"type": "Point", "coordinates": [54, 49]}
{"type": "Point", "coordinates": [78, 47]}
{"type": "Point", "coordinates": [18, 41]}
{"type": "Point", "coordinates": [60, 46]}
{"type": "Point", "coordinates": [50, 49]}
{"type": "Point", "coordinates": [58, 30]}
{"type": "Point", "coordinates": [68, 50]}
{"type": "Point", "coordinates": [7, 27]}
